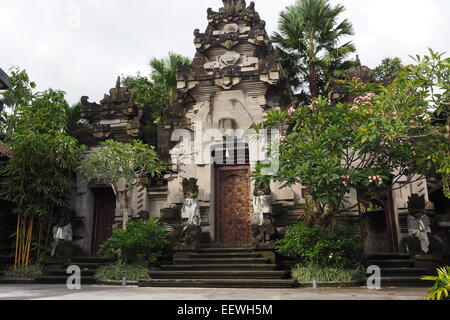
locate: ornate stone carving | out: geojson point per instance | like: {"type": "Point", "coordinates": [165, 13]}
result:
{"type": "Point", "coordinates": [190, 239]}
{"type": "Point", "coordinates": [233, 6]}
{"type": "Point", "coordinates": [416, 204]}
{"type": "Point", "coordinates": [263, 237]}
{"type": "Point", "coordinates": [339, 91]}
{"type": "Point", "coordinates": [190, 212]}
{"type": "Point", "coordinates": [116, 117]}
{"type": "Point", "coordinates": [62, 247]}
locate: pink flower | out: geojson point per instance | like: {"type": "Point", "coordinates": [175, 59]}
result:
{"type": "Point", "coordinates": [358, 99]}
{"type": "Point", "coordinates": [291, 111]}
{"type": "Point", "coordinates": [359, 85]}
{"type": "Point", "coordinates": [313, 107]}
{"type": "Point", "coordinates": [346, 180]}
{"type": "Point", "coordinates": [377, 179]}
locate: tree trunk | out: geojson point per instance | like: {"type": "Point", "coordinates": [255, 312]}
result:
{"type": "Point", "coordinates": [313, 86]}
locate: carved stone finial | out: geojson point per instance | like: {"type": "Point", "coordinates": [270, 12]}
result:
{"type": "Point", "coordinates": [190, 188]}
{"type": "Point", "coordinates": [357, 61]}
{"type": "Point", "coordinates": [416, 204]}
{"type": "Point", "coordinates": [232, 6]}
{"type": "Point", "coordinates": [252, 5]}
{"type": "Point", "coordinates": [118, 82]}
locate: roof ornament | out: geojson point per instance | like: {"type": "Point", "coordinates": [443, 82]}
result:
{"type": "Point", "coordinates": [232, 6]}
{"type": "Point", "coordinates": [357, 61]}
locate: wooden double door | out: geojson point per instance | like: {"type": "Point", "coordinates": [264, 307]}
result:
{"type": "Point", "coordinates": [233, 218]}
{"type": "Point", "coordinates": [104, 215]}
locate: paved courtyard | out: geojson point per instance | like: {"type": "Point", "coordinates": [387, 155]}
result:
{"type": "Point", "coordinates": [93, 292]}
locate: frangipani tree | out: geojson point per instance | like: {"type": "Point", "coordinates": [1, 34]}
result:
{"type": "Point", "coordinates": [122, 166]}
{"type": "Point", "coordinates": [385, 136]}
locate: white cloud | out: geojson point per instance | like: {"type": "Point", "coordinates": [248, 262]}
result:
{"type": "Point", "coordinates": [83, 55]}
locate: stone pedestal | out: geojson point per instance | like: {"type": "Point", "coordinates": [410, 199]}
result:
{"type": "Point", "coordinates": [190, 239]}
{"type": "Point", "coordinates": [263, 237]}
{"type": "Point", "coordinates": [430, 262]}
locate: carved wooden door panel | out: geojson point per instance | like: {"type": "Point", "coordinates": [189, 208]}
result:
{"type": "Point", "coordinates": [233, 221]}
{"type": "Point", "coordinates": [105, 208]}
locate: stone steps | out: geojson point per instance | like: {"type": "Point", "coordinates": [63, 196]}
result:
{"type": "Point", "coordinates": [404, 271]}
{"type": "Point", "coordinates": [56, 273]}
{"type": "Point", "coordinates": [219, 274]}
{"type": "Point", "coordinates": [220, 267]}
{"type": "Point", "coordinates": [211, 249]}
{"type": "Point", "coordinates": [404, 281]}
{"type": "Point", "coordinates": [224, 255]}
{"type": "Point", "coordinates": [84, 265]}
{"type": "Point", "coordinates": [389, 256]}
{"type": "Point", "coordinates": [206, 267]}
{"type": "Point", "coordinates": [222, 261]}
{"type": "Point", "coordinates": [63, 272]}
{"type": "Point", "coordinates": [91, 260]}
{"type": "Point", "coordinates": [398, 270]}
{"type": "Point", "coordinates": [394, 263]}
{"type": "Point", "coordinates": [218, 283]}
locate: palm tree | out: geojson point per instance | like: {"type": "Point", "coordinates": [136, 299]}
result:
{"type": "Point", "coordinates": [309, 43]}
{"type": "Point", "coordinates": [164, 73]}
{"type": "Point", "coordinates": [159, 90]}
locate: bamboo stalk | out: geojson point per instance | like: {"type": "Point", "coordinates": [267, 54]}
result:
{"type": "Point", "coordinates": [16, 257]}
{"type": "Point", "coordinates": [21, 241]}
{"type": "Point", "coordinates": [29, 240]}
{"type": "Point", "coordinates": [40, 231]}
{"type": "Point", "coordinates": [48, 230]}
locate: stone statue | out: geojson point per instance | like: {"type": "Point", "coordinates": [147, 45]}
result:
{"type": "Point", "coordinates": [63, 234]}
{"type": "Point", "coordinates": [418, 221]}
{"type": "Point", "coordinates": [189, 233]}
{"type": "Point", "coordinates": [191, 208]}
{"type": "Point", "coordinates": [262, 204]}
{"type": "Point", "coordinates": [263, 231]}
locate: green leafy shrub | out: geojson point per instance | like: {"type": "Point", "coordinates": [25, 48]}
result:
{"type": "Point", "coordinates": [341, 248]}
{"type": "Point", "coordinates": [22, 272]}
{"type": "Point", "coordinates": [143, 243]}
{"type": "Point", "coordinates": [119, 271]}
{"type": "Point", "coordinates": [312, 272]}
{"type": "Point", "coordinates": [441, 288]}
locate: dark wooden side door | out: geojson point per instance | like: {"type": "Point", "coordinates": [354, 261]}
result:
{"type": "Point", "coordinates": [233, 221]}
{"type": "Point", "coordinates": [105, 208]}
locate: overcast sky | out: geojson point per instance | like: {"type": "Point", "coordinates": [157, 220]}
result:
{"type": "Point", "coordinates": [81, 46]}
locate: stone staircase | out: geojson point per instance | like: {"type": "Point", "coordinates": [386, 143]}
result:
{"type": "Point", "coordinates": [56, 273]}
{"type": "Point", "coordinates": [219, 268]}
{"type": "Point", "coordinates": [398, 270]}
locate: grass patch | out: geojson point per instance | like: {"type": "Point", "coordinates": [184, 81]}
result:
{"type": "Point", "coordinates": [30, 272]}
{"type": "Point", "coordinates": [119, 271]}
{"type": "Point", "coordinates": [311, 272]}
